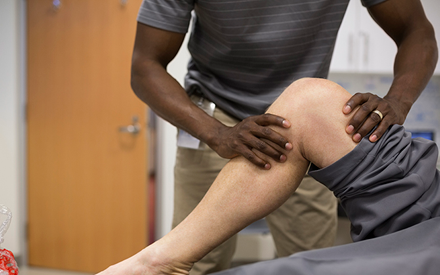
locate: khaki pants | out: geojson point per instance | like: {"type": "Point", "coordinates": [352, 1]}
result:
{"type": "Point", "coordinates": [307, 220]}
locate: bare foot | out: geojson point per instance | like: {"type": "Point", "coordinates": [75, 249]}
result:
{"type": "Point", "coordinates": [150, 261]}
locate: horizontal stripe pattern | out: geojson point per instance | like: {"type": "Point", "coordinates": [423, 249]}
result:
{"type": "Point", "coordinates": [246, 52]}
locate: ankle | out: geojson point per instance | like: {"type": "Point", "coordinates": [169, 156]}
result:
{"type": "Point", "coordinates": [163, 260]}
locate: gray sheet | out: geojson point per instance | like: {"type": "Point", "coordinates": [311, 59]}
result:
{"type": "Point", "coordinates": [413, 251]}
{"type": "Point", "coordinates": [390, 192]}
{"type": "Point", "coordinates": [385, 186]}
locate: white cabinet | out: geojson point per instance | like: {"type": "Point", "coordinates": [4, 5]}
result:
{"type": "Point", "coordinates": [362, 46]}
{"type": "Point", "coordinates": [432, 10]}
{"type": "Point", "coordinates": [345, 54]}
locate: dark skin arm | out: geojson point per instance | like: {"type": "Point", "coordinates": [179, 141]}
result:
{"type": "Point", "coordinates": [153, 50]}
{"type": "Point", "coordinates": [405, 22]}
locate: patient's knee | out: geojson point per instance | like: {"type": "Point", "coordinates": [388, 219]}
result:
{"type": "Point", "coordinates": [307, 93]}
{"type": "Point", "coordinates": [311, 101]}
{"type": "Point", "coordinates": [314, 88]}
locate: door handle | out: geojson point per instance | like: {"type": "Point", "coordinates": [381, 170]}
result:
{"type": "Point", "coordinates": [134, 128]}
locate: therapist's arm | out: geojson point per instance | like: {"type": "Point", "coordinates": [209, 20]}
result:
{"type": "Point", "coordinates": [154, 49]}
{"type": "Point", "coordinates": [406, 23]}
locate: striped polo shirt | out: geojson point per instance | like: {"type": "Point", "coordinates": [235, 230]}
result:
{"type": "Point", "coordinates": [244, 53]}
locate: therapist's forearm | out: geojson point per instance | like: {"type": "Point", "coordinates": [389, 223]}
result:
{"type": "Point", "coordinates": [413, 67]}
{"type": "Point", "coordinates": [167, 98]}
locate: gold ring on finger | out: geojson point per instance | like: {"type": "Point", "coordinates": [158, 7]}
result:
{"type": "Point", "coordinates": [378, 113]}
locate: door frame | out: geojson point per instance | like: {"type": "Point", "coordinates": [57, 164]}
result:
{"type": "Point", "coordinates": [21, 94]}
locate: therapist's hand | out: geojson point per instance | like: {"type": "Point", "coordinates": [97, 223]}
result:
{"type": "Point", "coordinates": [364, 119]}
{"type": "Point", "coordinates": [251, 135]}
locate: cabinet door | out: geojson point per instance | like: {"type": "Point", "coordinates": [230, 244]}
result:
{"type": "Point", "coordinates": [346, 48]}
{"type": "Point", "coordinates": [362, 46]}
{"type": "Point", "coordinates": [432, 10]}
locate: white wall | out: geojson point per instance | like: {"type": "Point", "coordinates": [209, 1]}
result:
{"type": "Point", "coordinates": [166, 153]}
{"type": "Point", "coordinates": [11, 122]}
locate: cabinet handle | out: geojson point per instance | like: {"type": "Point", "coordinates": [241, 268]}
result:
{"type": "Point", "coordinates": [350, 49]}
{"type": "Point", "coordinates": [366, 38]}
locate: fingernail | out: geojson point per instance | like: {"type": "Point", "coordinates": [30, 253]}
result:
{"type": "Point", "coordinates": [347, 109]}
{"type": "Point", "coordinates": [373, 138]}
{"type": "Point", "coordinates": [267, 166]}
{"type": "Point", "coordinates": [357, 137]}
{"type": "Point", "coordinates": [286, 123]}
{"type": "Point", "coordinates": [283, 158]}
{"type": "Point", "coordinates": [350, 129]}
{"type": "Point", "coordinates": [288, 146]}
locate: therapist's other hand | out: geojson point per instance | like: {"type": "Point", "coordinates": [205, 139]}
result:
{"type": "Point", "coordinates": [252, 135]}
{"type": "Point", "coordinates": [365, 119]}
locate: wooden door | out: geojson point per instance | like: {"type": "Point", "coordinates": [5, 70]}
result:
{"type": "Point", "coordinates": [86, 179]}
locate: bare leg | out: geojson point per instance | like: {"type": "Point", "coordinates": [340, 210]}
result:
{"type": "Point", "coordinates": [243, 193]}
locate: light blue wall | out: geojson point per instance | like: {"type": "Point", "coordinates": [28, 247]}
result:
{"type": "Point", "coordinates": [424, 114]}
